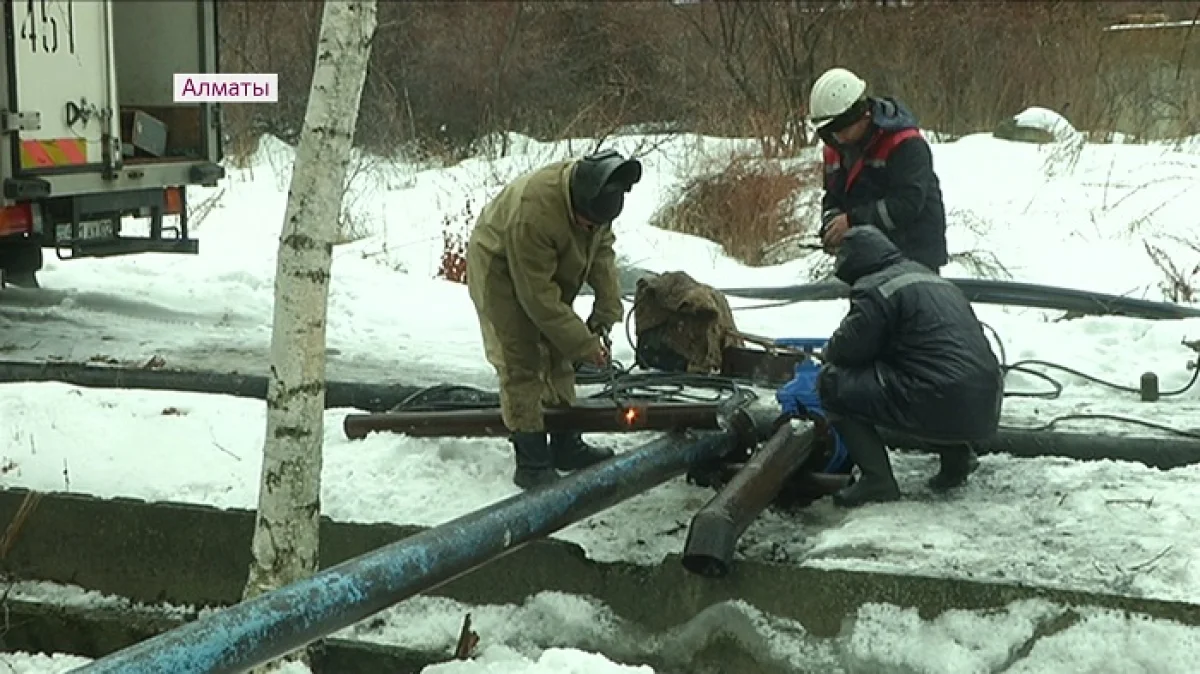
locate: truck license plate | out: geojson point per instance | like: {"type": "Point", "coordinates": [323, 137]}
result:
{"type": "Point", "coordinates": [88, 231]}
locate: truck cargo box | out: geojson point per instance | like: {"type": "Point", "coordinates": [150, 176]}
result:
{"type": "Point", "coordinates": [90, 131]}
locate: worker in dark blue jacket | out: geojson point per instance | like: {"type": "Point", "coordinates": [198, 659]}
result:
{"type": "Point", "coordinates": [878, 169]}
{"type": "Point", "coordinates": [911, 356]}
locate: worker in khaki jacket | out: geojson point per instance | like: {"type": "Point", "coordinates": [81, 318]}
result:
{"type": "Point", "coordinates": [530, 253]}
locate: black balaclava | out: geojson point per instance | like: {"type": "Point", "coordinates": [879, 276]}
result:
{"type": "Point", "coordinates": [599, 182]}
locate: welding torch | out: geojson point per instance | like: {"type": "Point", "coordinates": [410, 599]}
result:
{"type": "Point", "coordinates": [627, 413]}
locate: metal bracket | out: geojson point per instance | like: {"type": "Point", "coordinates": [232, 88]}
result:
{"type": "Point", "coordinates": [12, 122]}
{"type": "Point", "coordinates": [82, 112]}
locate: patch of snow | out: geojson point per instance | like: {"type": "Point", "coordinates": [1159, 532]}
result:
{"type": "Point", "coordinates": [555, 632]}
{"type": "Point", "coordinates": [78, 597]}
{"type": "Point", "coordinates": [60, 663]}
{"type": "Point", "coordinates": [1115, 642]}
{"type": "Point", "coordinates": [501, 660]}
{"type": "Point", "coordinates": [1027, 636]}
{"type": "Point", "coordinates": [1046, 120]}
{"type": "Point", "coordinates": [1151, 26]}
{"type": "Point", "coordinates": [40, 663]}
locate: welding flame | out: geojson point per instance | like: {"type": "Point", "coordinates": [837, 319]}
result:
{"type": "Point", "coordinates": [630, 416]}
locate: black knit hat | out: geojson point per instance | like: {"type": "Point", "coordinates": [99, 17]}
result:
{"type": "Point", "coordinates": [599, 182]}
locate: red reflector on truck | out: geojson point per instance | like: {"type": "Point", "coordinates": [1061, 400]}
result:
{"type": "Point", "coordinates": [172, 201]}
{"type": "Point", "coordinates": [16, 219]}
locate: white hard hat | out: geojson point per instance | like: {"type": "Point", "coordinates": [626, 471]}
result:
{"type": "Point", "coordinates": [834, 92]}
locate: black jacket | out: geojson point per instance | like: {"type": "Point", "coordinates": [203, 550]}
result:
{"type": "Point", "coordinates": [910, 355]}
{"type": "Point", "coordinates": [894, 187]}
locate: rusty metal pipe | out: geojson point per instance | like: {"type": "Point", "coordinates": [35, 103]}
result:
{"type": "Point", "coordinates": [714, 532]}
{"type": "Point", "coordinates": [603, 417]}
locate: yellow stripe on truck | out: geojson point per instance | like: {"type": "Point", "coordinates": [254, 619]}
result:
{"type": "Point", "coordinates": [39, 154]}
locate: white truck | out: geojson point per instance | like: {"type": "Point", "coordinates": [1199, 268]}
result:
{"type": "Point", "coordinates": [90, 133]}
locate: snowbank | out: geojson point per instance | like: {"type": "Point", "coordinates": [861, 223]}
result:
{"type": "Point", "coordinates": [1046, 120]}
{"type": "Point", "coordinates": [557, 633]}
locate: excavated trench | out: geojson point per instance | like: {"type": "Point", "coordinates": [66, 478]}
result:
{"type": "Point", "coordinates": [196, 556]}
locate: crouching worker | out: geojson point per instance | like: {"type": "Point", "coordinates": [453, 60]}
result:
{"type": "Point", "coordinates": [531, 251]}
{"type": "Point", "coordinates": [910, 356]}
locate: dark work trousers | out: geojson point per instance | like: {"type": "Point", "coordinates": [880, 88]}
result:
{"type": "Point", "coordinates": [863, 443]}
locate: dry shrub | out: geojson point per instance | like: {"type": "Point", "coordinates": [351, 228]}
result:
{"type": "Point", "coordinates": [456, 233]}
{"type": "Point", "coordinates": [453, 266]}
{"type": "Point", "coordinates": [746, 205]}
{"type": "Point", "coordinates": [1179, 284]}
{"type": "Point", "coordinates": [551, 70]}
{"type": "Point", "coordinates": [351, 227]}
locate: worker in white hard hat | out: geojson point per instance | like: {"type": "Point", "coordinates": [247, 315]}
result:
{"type": "Point", "coordinates": [878, 169]}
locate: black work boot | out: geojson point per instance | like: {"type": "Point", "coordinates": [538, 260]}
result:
{"type": "Point", "coordinates": [958, 463]}
{"type": "Point", "coordinates": [572, 453]}
{"type": "Point", "coordinates": [877, 484]}
{"type": "Point", "coordinates": [535, 465]}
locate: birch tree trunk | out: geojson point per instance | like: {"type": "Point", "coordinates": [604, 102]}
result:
{"type": "Point", "coordinates": [285, 545]}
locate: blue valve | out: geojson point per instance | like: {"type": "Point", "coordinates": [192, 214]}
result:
{"type": "Point", "coordinates": [799, 396]}
{"type": "Point", "coordinates": [805, 343]}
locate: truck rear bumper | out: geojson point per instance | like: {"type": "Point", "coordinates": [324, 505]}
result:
{"type": "Point", "coordinates": [132, 245]}
{"type": "Point", "coordinates": [147, 176]}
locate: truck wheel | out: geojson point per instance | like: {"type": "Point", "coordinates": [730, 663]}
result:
{"type": "Point", "coordinates": [20, 263]}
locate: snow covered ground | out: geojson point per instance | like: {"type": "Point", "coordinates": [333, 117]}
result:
{"type": "Point", "coordinates": [1057, 214]}
{"type": "Point", "coordinates": [554, 633]}
{"type": "Point", "coordinates": [1103, 526]}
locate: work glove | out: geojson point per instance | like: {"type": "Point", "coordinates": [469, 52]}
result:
{"type": "Point", "coordinates": [599, 328]}
{"type": "Point", "coordinates": [806, 376]}
{"type": "Point", "coordinates": [826, 218]}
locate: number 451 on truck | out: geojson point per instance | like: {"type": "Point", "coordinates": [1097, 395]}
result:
{"type": "Point", "coordinates": [89, 131]}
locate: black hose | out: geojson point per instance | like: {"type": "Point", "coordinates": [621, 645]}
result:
{"type": "Point", "coordinates": [1023, 366]}
{"type": "Point", "coordinates": [358, 395]}
{"type": "Point", "coordinates": [992, 291]}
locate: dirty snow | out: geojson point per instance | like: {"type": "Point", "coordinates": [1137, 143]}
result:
{"type": "Point", "coordinates": [1028, 636]}
{"type": "Point", "coordinates": [553, 632]}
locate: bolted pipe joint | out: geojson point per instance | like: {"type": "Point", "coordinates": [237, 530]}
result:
{"type": "Point", "coordinates": [751, 422]}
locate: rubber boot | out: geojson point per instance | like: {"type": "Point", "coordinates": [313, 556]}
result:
{"type": "Point", "coordinates": [957, 465]}
{"type": "Point", "coordinates": [535, 465]}
{"type": "Point", "coordinates": [572, 453]}
{"type": "Point", "coordinates": [877, 484]}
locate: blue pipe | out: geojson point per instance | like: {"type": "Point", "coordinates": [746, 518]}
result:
{"type": "Point", "coordinates": [274, 624]}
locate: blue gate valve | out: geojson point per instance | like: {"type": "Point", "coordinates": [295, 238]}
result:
{"type": "Point", "coordinates": [799, 397]}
